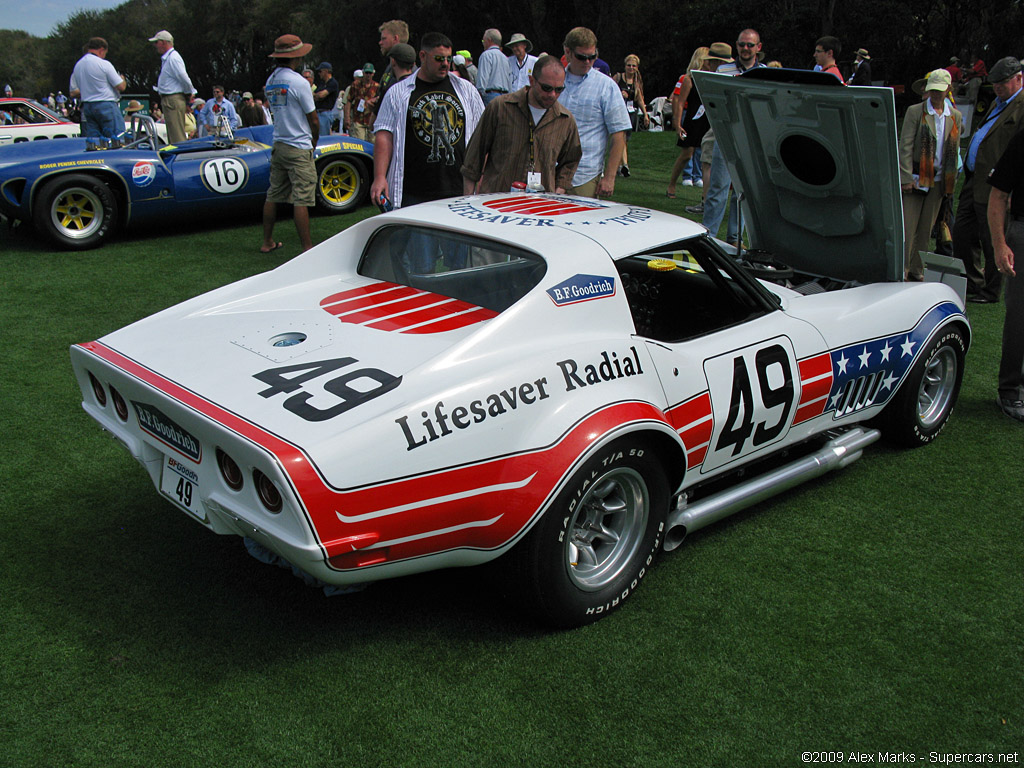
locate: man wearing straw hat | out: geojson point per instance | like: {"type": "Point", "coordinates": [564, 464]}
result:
{"type": "Point", "coordinates": [296, 132]}
{"type": "Point", "coordinates": [861, 68]}
{"type": "Point", "coordinates": [520, 63]}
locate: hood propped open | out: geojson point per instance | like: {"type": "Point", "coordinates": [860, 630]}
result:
{"type": "Point", "coordinates": [818, 165]}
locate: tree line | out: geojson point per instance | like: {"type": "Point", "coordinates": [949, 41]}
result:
{"type": "Point", "coordinates": [227, 41]}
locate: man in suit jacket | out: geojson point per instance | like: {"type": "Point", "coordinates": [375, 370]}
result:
{"type": "Point", "coordinates": [990, 139]}
{"type": "Point", "coordinates": [861, 68]}
{"type": "Point", "coordinates": [929, 148]}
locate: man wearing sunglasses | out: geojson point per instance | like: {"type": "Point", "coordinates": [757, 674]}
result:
{"type": "Point", "coordinates": [422, 130]}
{"type": "Point", "coordinates": [525, 136]}
{"type": "Point", "coordinates": [601, 116]}
{"type": "Point", "coordinates": [748, 46]}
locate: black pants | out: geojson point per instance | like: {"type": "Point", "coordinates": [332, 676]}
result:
{"type": "Point", "coordinates": [970, 228]}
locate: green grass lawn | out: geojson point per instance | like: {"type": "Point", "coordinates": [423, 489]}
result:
{"type": "Point", "coordinates": [879, 609]}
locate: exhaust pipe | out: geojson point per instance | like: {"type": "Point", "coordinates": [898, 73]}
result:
{"type": "Point", "coordinates": [835, 454]}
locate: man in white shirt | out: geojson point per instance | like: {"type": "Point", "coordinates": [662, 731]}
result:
{"type": "Point", "coordinates": [96, 82]}
{"type": "Point", "coordinates": [173, 85]}
{"type": "Point", "coordinates": [520, 63]}
{"type": "Point", "coordinates": [296, 133]}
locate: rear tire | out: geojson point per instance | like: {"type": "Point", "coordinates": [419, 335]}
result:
{"type": "Point", "coordinates": [340, 184]}
{"type": "Point", "coordinates": [598, 539]}
{"type": "Point", "coordinates": [76, 211]}
{"type": "Point", "coordinates": [925, 402]}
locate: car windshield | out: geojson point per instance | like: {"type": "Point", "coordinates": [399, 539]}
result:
{"type": "Point", "coordinates": [453, 264]}
{"type": "Point", "coordinates": [685, 290]}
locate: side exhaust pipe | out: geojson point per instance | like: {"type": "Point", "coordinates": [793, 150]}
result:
{"type": "Point", "coordinates": [836, 454]}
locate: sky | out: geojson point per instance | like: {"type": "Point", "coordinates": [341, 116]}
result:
{"type": "Point", "coordinates": [39, 17]}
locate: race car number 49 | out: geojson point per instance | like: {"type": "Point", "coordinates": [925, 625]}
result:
{"type": "Point", "coordinates": [182, 484]}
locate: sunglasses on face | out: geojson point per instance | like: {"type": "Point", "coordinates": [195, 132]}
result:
{"type": "Point", "coordinates": [549, 88]}
{"type": "Point", "coordinates": [439, 59]}
{"type": "Point", "coordinates": [746, 45]}
{"type": "Point", "coordinates": [584, 57]}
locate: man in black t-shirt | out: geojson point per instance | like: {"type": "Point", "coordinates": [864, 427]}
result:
{"type": "Point", "coordinates": [325, 97]}
{"type": "Point", "coordinates": [1007, 181]}
{"type": "Point", "coordinates": [422, 130]}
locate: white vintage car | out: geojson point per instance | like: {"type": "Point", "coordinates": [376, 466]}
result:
{"type": "Point", "coordinates": [569, 384]}
{"type": "Point", "coordinates": [27, 120]}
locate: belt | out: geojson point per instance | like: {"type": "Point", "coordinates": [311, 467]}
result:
{"type": "Point", "coordinates": [495, 90]}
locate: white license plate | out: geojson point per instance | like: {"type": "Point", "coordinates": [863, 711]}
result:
{"type": "Point", "coordinates": [181, 483]}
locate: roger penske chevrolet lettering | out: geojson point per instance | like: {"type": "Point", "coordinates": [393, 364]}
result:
{"type": "Point", "coordinates": [569, 385]}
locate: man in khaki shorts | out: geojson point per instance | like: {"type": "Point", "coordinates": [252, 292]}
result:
{"type": "Point", "coordinates": [296, 132]}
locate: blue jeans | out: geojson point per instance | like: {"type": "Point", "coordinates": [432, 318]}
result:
{"type": "Point", "coordinates": [718, 198]}
{"type": "Point", "coordinates": [326, 120]}
{"type": "Point", "coordinates": [103, 120]}
{"type": "Point", "coordinates": [692, 169]}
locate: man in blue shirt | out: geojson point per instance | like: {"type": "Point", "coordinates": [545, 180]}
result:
{"type": "Point", "coordinates": [214, 109]}
{"type": "Point", "coordinates": [1004, 118]}
{"type": "Point", "coordinates": [601, 117]}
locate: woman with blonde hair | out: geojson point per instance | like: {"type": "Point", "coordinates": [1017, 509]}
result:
{"type": "Point", "coordinates": [692, 128]}
{"type": "Point", "coordinates": [632, 86]}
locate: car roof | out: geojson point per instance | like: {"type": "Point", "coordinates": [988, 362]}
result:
{"type": "Point", "coordinates": [543, 223]}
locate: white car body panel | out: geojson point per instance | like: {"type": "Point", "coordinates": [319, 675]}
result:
{"type": "Point", "coordinates": [466, 434]}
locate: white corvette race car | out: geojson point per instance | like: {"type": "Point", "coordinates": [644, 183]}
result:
{"type": "Point", "coordinates": [568, 383]}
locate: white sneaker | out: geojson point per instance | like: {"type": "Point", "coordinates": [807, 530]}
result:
{"type": "Point", "coordinates": [687, 182]}
{"type": "Point", "coordinates": [699, 183]}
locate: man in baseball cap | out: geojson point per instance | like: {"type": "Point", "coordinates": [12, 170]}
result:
{"type": "Point", "coordinates": [173, 85]}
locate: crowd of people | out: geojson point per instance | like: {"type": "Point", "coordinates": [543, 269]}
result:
{"type": "Point", "coordinates": [443, 125]}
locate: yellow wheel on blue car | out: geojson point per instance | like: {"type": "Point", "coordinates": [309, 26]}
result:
{"type": "Point", "coordinates": [340, 184]}
{"type": "Point", "coordinates": [76, 211]}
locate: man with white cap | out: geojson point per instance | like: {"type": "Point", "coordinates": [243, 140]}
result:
{"type": "Point", "coordinates": [520, 63]}
{"type": "Point", "coordinates": [296, 133]}
{"type": "Point", "coordinates": [173, 85]}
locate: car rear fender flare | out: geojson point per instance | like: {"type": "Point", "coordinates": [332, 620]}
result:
{"type": "Point", "coordinates": [112, 179]}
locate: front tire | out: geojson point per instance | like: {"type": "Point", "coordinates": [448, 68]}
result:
{"type": "Point", "coordinates": [340, 184]}
{"type": "Point", "coordinates": [925, 402]}
{"type": "Point", "coordinates": [598, 539]}
{"type": "Point", "coordinates": [76, 211]}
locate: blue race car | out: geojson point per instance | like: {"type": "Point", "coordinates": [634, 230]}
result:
{"type": "Point", "coordinates": [79, 198]}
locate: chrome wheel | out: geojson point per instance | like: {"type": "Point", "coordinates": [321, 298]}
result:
{"type": "Point", "coordinates": [77, 213]}
{"type": "Point", "coordinates": [607, 529]}
{"type": "Point", "coordinates": [938, 387]}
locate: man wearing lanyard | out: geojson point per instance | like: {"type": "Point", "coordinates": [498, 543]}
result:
{"type": "Point", "coordinates": [525, 136]}
{"type": "Point", "coordinates": [173, 85]}
{"type": "Point", "coordinates": [1004, 119]}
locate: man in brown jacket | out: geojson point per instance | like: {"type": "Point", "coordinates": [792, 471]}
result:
{"type": "Point", "coordinates": [988, 142]}
{"type": "Point", "coordinates": [525, 136]}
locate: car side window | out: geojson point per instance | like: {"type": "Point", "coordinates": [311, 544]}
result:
{"type": "Point", "coordinates": [480, 272]}
{"type": "Point", "coordinates": [684, 291]}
